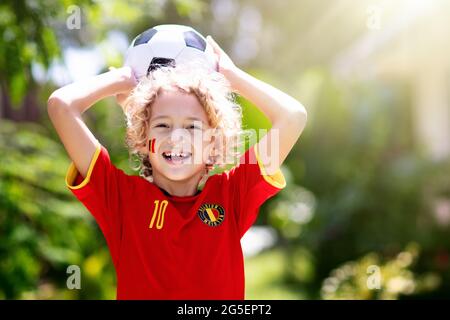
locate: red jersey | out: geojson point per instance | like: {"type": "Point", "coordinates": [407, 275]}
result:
{"type": "Point", "coordinates": [171, 247]}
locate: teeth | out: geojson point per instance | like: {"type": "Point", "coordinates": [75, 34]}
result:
{"type": "Point", "coordinates": [172, 154]}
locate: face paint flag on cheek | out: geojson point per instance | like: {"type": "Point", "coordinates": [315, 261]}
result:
{"type": "Point", "coordinates": [152, 145]}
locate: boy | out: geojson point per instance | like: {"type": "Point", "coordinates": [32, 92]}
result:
{"type": "Point", "coordinates": [168, 238]}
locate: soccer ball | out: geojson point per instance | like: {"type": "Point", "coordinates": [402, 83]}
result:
{"type": "Point", "coordinates": [168, 45]}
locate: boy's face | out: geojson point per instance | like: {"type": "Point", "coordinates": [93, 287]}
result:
{"type": "Point", "coordinates": [179, 136]}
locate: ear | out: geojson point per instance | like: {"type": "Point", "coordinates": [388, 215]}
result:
{"type": "Point", "coordinates": [212, 145]}
{"type": "Point", "coordinates": [144, 149]}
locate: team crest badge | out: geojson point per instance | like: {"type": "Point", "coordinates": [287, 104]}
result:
{"type": "Point", "coordinates": [211, 214]}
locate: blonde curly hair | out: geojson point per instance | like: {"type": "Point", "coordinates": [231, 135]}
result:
{"type": "Point", "coordinates": [213, 92]}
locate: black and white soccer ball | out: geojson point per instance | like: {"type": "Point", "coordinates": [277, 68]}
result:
{"type": "Point", "coordinates": [168, 45]}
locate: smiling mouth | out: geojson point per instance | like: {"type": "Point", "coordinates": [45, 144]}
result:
{"type": "Point", "coordinates": [176, 158]}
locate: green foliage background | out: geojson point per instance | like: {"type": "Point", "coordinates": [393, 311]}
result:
{"type": "Point", "coordinates": [360, 191]}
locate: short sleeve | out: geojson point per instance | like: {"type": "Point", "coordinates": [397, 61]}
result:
{"type": "Point", "coordinates": [251, 187]}
{"type": "Point", "coordinates": [103, 192]}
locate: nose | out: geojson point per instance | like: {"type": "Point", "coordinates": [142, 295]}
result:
{"type": "Point", "coordinates": [179, 134]}
{"type": "Point", "coordinates": [179, 137]}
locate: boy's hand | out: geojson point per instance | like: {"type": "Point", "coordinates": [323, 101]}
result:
{"type": "Point", "coordinates": [127, 81]}
{"type": "Point", "coordinates": [224, 63]}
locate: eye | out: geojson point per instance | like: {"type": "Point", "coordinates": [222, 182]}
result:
{"type": "Point", "coordinates": [193, 127]}
{"type": "Point", "coordinates": [161, 125]}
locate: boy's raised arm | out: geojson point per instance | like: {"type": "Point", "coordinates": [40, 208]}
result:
{"type": "Point", "coordinates": [288, 116]}
{"type": "Point", "coordinates": [66, 105]}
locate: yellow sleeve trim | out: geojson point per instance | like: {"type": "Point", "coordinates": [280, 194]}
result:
{"type": "Point", "coordinates": [277, 179]}
{"type": "Point", "coordinates": [72, 172]}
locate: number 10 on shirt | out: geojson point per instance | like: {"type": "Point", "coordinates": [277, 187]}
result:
{"type": "Point", "coordinates": [159, 210]}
